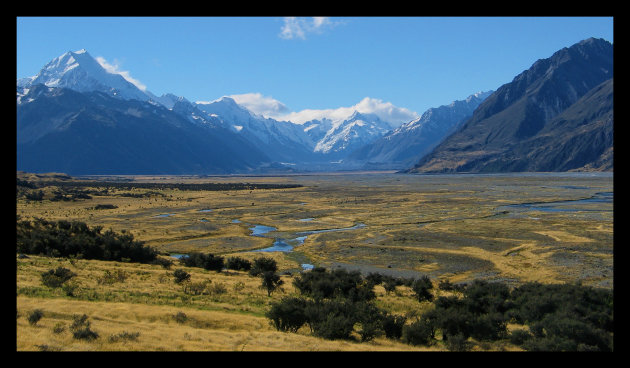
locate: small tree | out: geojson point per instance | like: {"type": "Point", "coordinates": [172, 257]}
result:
{"type": "Point", "coordinates": [270, 281]}
{"type": "Point", "coordinates": [422, 287]}
{"type": "Point", "coordinates": [263, 264]}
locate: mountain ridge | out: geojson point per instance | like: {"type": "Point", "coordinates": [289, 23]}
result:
{"type": "Point", "coordinates": [518, 111]}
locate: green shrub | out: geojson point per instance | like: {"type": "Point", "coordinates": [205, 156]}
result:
{"type": "Point", "coordinates": [206, 261]}
{"type": "Point", "coordinates": [180, 317]}
{"type": "Point", "coordinates": [35, 316]}
{"type": "Point", "coordinates": [393, 326]}
{"type": "Point", "coordinates": [181, 276]}
{"type": "Point", "coordinates": [56, 278]}
{"type": "Point", "coordinates": [124, 336]}
{"type": "Point", "coordinates": [288, 314]}
{"type": "Point", "coordinates": [59, 328]}
{"type": "Point", "coordinates": [76, 239]}
{"type": "Point", "coordinates": [422, 287]}
{"type": "Point", "coordinates": [418, 333]}
{"type": "Point", "coordinates": [458, 342]}
{"type": "Point", "coordinates": [518, 337]}
{"type": "Point", "coordinates": [238, 264]}
{"type": "Point", "coordinates": [110, 278]}
{"type": "Point", "coordinates": [81, 330]}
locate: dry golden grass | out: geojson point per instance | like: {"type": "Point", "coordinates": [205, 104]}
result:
{"type": "Point", "coordinates": [444, 227]}
{"type": "Point", "coordinates": [233, 321]}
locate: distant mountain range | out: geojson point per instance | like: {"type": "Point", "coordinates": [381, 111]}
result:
{"type": "Point", "coordinates": [555, 116]}
{"type": "Point", "coordinates": [77, 118]}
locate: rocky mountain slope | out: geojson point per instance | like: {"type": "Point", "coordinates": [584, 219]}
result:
{"type": "Point", "coordinates": [555, 116]}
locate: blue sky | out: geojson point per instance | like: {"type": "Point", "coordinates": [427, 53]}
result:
{"type": "Point", "coordinates": [310, 63]}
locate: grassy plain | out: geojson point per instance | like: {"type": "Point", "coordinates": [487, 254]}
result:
{"type": "Point", "coordinates": [446, 226]}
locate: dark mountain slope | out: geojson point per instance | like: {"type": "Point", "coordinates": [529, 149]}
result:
{"type": "Point", "coordinates": [509, 122]}
{"type": "Point", "coordinates": [92, 133]}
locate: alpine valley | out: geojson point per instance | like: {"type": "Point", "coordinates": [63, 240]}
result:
{"type": "Point", "coordinates": [75, 117]}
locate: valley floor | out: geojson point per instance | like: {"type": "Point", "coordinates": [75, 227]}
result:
{"type": "Point", "coordinates": [449, 227]}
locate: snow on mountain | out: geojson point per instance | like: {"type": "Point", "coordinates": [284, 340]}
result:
{"type": "Point", "coordinates": [356, 130]}
{"type": "Point", "coordinates": [284, 140]}
{"type": "Point", "coordinates": [79, 71]}
{"type": "Point", "coordinates": [435, 117]}
{"type": "Point", "coordinates": [404, 145]}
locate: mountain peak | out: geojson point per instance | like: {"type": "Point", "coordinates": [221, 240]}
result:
{"type": "Point", "coordinates": [79, 71]}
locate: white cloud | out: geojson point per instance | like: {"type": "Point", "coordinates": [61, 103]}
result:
{"type": "Point", "coordinates": [386, 111]}
{"type": "Point", "coordinates": [272, 108]}
{"type": "Point", "coordinates": [261, 105]}
{"type": "Point", "coordinates": [114, 69]}
{"type": "Point", "coordinates": [295, 27]}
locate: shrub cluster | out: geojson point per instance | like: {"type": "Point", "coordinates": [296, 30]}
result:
{"type": "Point", "coordinates": [563, 317]}
{"type": "Point", "coordinates": [238, 264]}
{"type": "Point", "coordinates": [333, 304]}
{"type": "Point", "coordinates": [76, 239]}
{"type": "Point", "coordinates": [559, 317]}
{"type": "Point", "coordinates": [336, 304]}
{"type": "Point", "coordinates": [206, 261]}
{"type": "Point", "coordinates": [56, 278]}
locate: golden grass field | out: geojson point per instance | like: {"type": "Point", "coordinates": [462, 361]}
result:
{"type": "Point", "coordinates": [447, 227]}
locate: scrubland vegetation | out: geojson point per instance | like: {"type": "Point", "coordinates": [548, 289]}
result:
{"type": "Point", "coordinates": [83, 288]}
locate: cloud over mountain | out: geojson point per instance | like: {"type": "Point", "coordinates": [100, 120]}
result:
{"type": "Point", "coordinates": [114, 69]}
{"type": "Point", "coordinates": [271, 108]}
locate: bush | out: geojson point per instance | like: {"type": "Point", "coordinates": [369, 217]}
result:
{"type": "Point", "coordinates": [393, 326]}
{"type": "Point", "coordinates": [35, 316]}
{"type": "Point", "coordinates": [458, 342]}
{"type": "Point", "coordinates": [446, 285]}
{"type": "Point", "coordinates": [491, 326]}
{"type": "Point", "coordinates": [56, 278]}
{"type": "Point", "coordinates": [196, 288]}
{"type": "Point", "coordinates": [181, 276]}
{"type": "Point", "coordinates": [81, 328]}
{"type": "Point", "coordinates": [109, 277]}
{"type": "Point", "coordinates": [206, 261]}
{"type": "Point", "coordinates": [334, 327]}
{"type": "Point", "coordinates": [180, 317]}
{"type": "Point", "coordinates": [59, 328]}
{"type": "Point", "coordinates": [124, 336]}
{"type": "Point", "coordinates": [76, 239]}
{"type": "Point", "coordinates": [518, 337]}
{"type": "Point", "coordinates": [165, 263]}
{"type": "Point", "coordinates": [418, 333]}
{"type": "Point", "coordinates": [422, 287]}
{"type": "Point", "coordinates": [321, 284]}
{"type": "Point", "coordinates": [238, 264]}
{"type": "Point", "coordinates": [288, 314]}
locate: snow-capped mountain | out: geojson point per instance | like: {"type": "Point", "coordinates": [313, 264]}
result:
{"type": "Point", "coordinates": [330, 136]}
{"type": "Point", "coordinates": [405, 145]}
{"type": "Point", "coordinates": [357, 130]}
{"type": "Point", "coordinates": [282, 140]}
{"type": "Point", "coordinates": [80, 72]}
